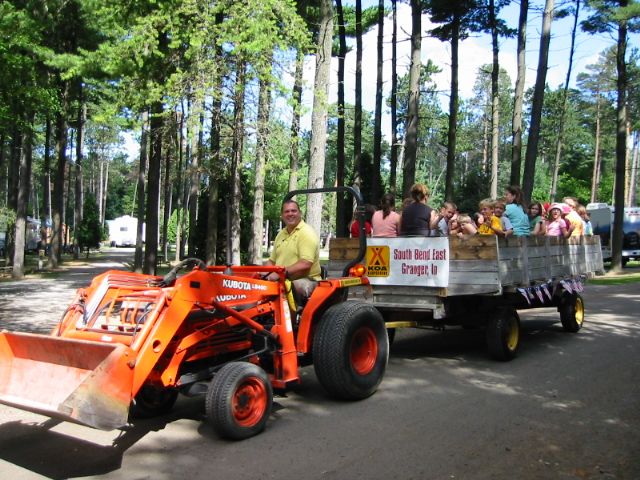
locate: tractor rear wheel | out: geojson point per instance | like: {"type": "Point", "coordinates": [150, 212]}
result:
{"type": "Point", "coordinates": [351, 350]}
{"type": "Point", "coordinates": [571, 312]}
{"type": "Point", "coordinates": [152, 401]}
{"type": "Point", "coordinates": [503, 334]}
{"type": "Point", "coordinates": [239, 400]}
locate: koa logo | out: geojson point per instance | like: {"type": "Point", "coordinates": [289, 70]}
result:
{"type": "Point", "coordinates": [378, 259]}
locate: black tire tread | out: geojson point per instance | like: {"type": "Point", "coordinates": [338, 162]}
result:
{"type": "Point", "coordinates": [331, 365]}
{"type": "Point", "coordinates": [497, 332]}
{"type": "Point", "coordinates": [221, 390]}
{"type": "Point", "coordinates": [567, 311]}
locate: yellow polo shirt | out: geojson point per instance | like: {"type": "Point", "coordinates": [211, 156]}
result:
{"type": "Point", "coordinates": [303, 243]}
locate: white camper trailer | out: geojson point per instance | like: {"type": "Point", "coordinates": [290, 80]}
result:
{"type": "Point", "coordinates": [122, 231]}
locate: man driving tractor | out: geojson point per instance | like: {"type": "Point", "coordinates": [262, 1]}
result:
{"type": "Point", "coordinates": [296, 247]}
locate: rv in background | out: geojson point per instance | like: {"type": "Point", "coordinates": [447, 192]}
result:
{"type": "Point", "coordinates": [601, 216]}
{"type": "Point", "coordinates": [32, 239]}
{"type": "Point", "coordinates": [122, 231]}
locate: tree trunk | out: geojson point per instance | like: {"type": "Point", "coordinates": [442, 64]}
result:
{"type": "Point", "coordinates": [179, 183]}
{"type": "Point", "coordinates": [563, 112]}
{"type": "Point", "coordinates": [153, 190]}
{"type": "Point", "coordinates": [358, 167]}
{"type": "Point", "coordinates": [538, 100]}
{"type": "Point", "coordinates": [46, 179]}
{"type": "Point", "coordinates": [342, 202]}
{"type": "Point", "coordinates": [628, 161]}
{"type": "Point", "coordinates": [621, 146]}
{"type": "Point", "coordinates": [105, 190]}
{"type": "Point", "coordinates": [65, 222]}
{"type": "Point", "coordinates": [394, 101]}
{"type": "Point", "coordinates": [595, 178]}
{"type": "Point", "coordinates": [215, 168]}
{"type": "Point", "coordinates": [634, 171]}
{"type": "Point", "coordinates": [57, 203]}
{"type": "Point", "coordinates": [169, 142]}
{"type": "Point", "coordinates": [516, 124]}
{"type": "Point", "coordinates": [3, 169]}
{"type": "Point", "coordinates": [79, 187]}
{"type": "Point", "coordinates": [413, 107]}
{"type": "Point", "coordinates": [376, 181]}
{"type": "Point", "coordinates": [100, 196]}
{"type": "Point", "coordinates": [194, 181]}
{"type": "Point", "coordinates": [262, 134]}
{"type": "Point", "coordinates": [14, 166]}
{"type": "Point", "coordinates": [485, 143]}
{"type": "Point", "coordinates": [495, 101]}
{"type": "Point", "coordinates": [24, 179]}
{"type": "Point", "coordinates": [319, 114]}
{"type": "Point", "coordinates": [235, 202]}
{"type": "Point", "coordinates": [295, 122]}
{"type": "Point", "coordinates": [453, 111]}
{"type": "Point", "coordinates": [142, 174]}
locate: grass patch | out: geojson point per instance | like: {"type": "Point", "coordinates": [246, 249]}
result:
{"type": "Point", "coordinates": [611, 279]}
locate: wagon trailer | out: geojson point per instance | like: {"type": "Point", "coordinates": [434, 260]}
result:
{"type": "Point", "coordinates": [475, 281]}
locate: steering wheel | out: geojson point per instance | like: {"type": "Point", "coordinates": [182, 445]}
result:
{"type": "Point", "coordinates": [171, 275]}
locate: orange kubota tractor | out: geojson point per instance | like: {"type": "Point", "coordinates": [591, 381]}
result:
{"type": "Point", "coordinates": [129, 343]}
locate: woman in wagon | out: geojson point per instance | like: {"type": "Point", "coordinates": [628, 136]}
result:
{"type": "Point", "coordinates": [515, 210]}
{"type": "Point", "coordinates": [418, 218]}
{"type": "Point", "coordinates": [386, 221]}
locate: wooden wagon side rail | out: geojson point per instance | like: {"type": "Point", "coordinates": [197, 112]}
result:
{"type": "Point", "coordinates": [487, 265]}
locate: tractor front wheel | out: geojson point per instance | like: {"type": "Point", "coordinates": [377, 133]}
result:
{"type": "Point", "coordinates": [351, 350]}
{"type": "Point", "coordinates": [239, 400]}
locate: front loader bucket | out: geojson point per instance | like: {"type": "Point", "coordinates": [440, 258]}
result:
{"type": "Point", "coordinates": [76, 380]}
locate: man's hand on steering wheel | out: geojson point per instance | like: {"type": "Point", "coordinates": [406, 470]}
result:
{"type": "Point", "coordinates": [272, 276]}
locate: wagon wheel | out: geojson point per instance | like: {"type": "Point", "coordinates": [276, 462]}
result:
{"type": "Point", "coordinates": [239, 400]}
{"type": "Point", "coordinates": [571, 312]}
{"type": "Point", "coordinates": [503, 334]}
{"type": "Point", "coordinates": [351, 350]}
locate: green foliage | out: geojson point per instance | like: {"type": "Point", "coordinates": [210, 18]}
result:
{"type": "Point", "coordinates": [367, 149]}
{"type": "Point", "coordinates": [122, 187]}
{"type": "Point", "coordinates": [465, 16]}
{"type": "Point", "coordinates": [473, 188]}
{"type": "Point", "coordinates": [89, 232]}
{"type": "Point", "coordinates": [475, 130]}
{"type": "Point", "coordinates": [369, 20]}
{"type": "Point", "coordinates": [606, 15]}
{"type": "Point", "coordinates": [176, 218]}
{"type": "Point", "coordinates": [431, 129]}
{"type": "Point", "coordinates": [7, 218]}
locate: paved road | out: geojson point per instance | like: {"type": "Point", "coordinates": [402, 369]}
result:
{"type": "Point", "coordinates": [567, 408]}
